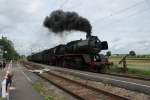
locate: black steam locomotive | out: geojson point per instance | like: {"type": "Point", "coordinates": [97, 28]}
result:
{"type": "Point", "coordinates": [79, 54]}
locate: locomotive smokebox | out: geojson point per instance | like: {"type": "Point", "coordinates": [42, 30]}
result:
{"type": "Point", "coordinates": [104, 45]}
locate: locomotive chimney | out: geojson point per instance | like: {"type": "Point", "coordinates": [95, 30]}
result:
{"type": "Point", "coordinates": [88, 34]}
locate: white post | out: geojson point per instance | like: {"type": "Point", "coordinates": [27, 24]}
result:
{"type": "Point", "coordinates": [4, 94]}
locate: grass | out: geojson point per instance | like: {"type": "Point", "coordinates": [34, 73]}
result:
{"type": "Point", "coordinates": [138, 66]}
{"type": "Point", "coordinates": [2, 98]}
{"type": "Point", "coordinates": [134, 71]}
{"type": "Point", "coordinates": [38, 86]}
{"type": "Point", "coordinates": [138, 72]}
{"type": "Point", "coordinates": [44, 91]}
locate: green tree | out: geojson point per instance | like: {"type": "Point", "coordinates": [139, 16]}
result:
{"type": "Point", "coordinates": [132, 53]}
{"type": "Point", "coordinates": [108, 53]}
{"type": "Point", "coordinates": [8, 49]}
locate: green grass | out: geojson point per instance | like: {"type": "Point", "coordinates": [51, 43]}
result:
{"type": "Point", "coordinates": [48, 94]}
{"type": "Point", "coordinates": [138, 72]}
{"type": "Point", "coordinates": [141, 71]}
{"type": "Point", "coordinates": [42, 90]}
{"type": "Point", "coordinates": [130, 58]}
{"type": "Point", "coordinates": [135, 65]}
{"type": "Point", "coordinates": [139, 67]}
{"type": "Point", "coordinates": [2, 98]}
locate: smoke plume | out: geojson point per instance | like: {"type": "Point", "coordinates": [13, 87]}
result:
{"type": "Point", "coordinates": [60, 21]}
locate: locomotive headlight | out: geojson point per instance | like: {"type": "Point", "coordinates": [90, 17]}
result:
{"type": "Point", "coordinates": [97, 43]}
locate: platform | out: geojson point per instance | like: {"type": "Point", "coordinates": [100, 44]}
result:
{"type": "Point", "coordinates": [23, 86]}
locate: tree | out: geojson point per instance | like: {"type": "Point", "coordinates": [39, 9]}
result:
{"type": "Point", "coordinates": [9, 51]}
{"type": "Point", "coordinates": [132, 53]}
{"type": "Point", "coordinates": [108, 53]}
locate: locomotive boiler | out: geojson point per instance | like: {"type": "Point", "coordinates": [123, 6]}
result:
{"type": "Point", "coordinates": [79, 54]}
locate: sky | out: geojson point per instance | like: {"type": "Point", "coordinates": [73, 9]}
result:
{"type": "Point", "coordinates": [123, 23]}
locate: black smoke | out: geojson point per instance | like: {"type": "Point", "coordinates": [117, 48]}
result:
{"type": "Point", "coordinates": [59, 21]}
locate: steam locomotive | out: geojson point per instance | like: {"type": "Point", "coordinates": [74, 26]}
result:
{"type": "Point", "coordinates": [79, 54]}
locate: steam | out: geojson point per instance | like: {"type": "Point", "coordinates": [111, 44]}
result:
{"type": "Point", "coordinates": [59, 21]}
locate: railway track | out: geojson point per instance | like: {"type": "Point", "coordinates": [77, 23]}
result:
{"type": "Point", "coordinates": [112, 74]}
{"type": "Point", "coordinates": [79, 90]}
{"type": "Point", "coordinates": [123, 82]}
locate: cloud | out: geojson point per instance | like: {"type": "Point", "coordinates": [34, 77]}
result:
{"type": "Point", "coordinates": [123, 26]}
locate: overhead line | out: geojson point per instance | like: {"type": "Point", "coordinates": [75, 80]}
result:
{"type": "Point", "coordinates": [62, 5]}
{"type": "Point", "coordinates": [131, 15]}
{"type": "Point", "coordinates": [120, 11]}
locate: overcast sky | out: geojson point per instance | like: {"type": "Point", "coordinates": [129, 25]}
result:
{"type": "Point", "coordinates": [125, 24]}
